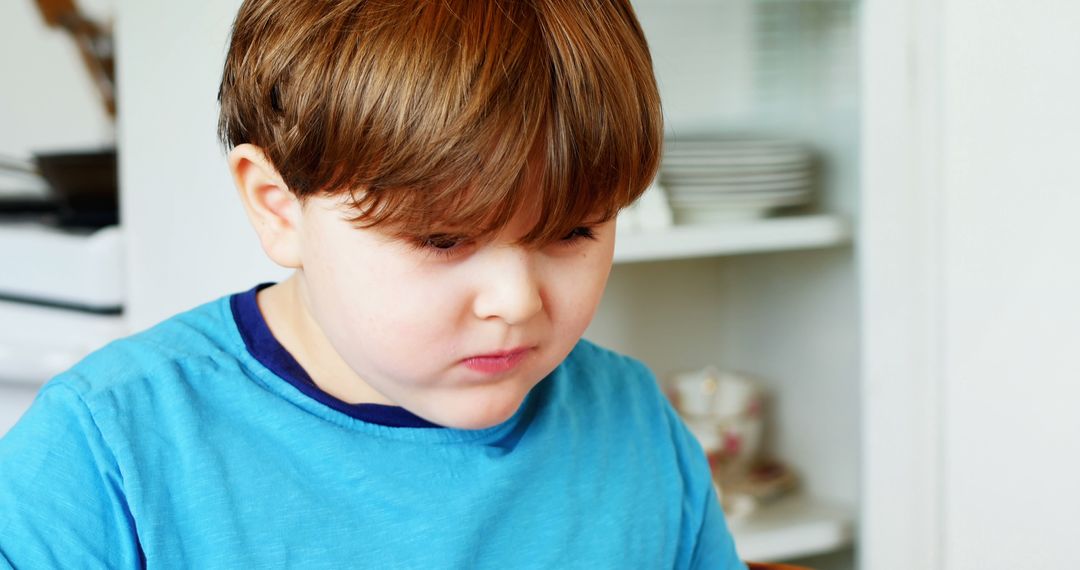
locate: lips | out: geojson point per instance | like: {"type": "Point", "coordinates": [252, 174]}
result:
{"type": "Point", "coordinates": [497, 362]}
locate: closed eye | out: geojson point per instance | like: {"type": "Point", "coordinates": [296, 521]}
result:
{"type": "Point", "coordinates": [441, 245]}
{"type": "Point", "coordinates": [447, 246]}
{"type": "Point", "coordinates": [579, 233]}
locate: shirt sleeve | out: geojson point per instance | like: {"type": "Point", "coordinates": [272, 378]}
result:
{"type": "Point", "coordinates": [707, 543]}
{"type": "Point", "coordinates": [62, 502]}
{"type": "Point", "coordinates": [714, 547]}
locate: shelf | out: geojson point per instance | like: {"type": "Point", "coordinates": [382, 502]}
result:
{"type": "Point", "coordinates": [792, 527]}
{"type": "Point", "coordinates": [37, 343]}
{"type": "Point", "coordinates": [63, 267]}
{"type": "Point", "coordinates": [732, 238]}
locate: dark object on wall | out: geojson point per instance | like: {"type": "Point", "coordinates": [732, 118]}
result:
{"type": "Point", "coordinates": [94, 41]}
{"type": "Point", "coordinates": [72, 189]}
{"type": "Point", "coordinates": [84, 186]}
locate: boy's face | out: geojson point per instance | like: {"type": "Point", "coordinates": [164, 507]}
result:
{"type": "Point", "coordinates": [411, 320]}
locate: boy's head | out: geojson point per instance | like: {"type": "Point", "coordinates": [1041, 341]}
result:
{"type": "Point", "coordinates": [444, 176]}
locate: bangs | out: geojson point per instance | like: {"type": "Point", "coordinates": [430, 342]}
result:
{"type": "Point", "coordinates": [475, 208]}
{"type": "Point", "coordinates": [451, 114]}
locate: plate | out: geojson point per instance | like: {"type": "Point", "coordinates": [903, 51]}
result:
{"type": "Point", "coordinates": [787, 160]}
{"type": "Point", "coordinates": [729, 144]}
{"type": "Point", "coordinates": [724, 177]}
{"type": "Point", "coordinates": [714, 188]}
{"type": "Point", "coordinates": [789, 199]}
{"type": "Point", "coordinates": [701, 216]}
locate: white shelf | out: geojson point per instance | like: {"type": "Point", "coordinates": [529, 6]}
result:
{"type": "Point", "coordinates": [792, 527]}
{"type": "Point", "coordinates": [731, 238]}
{"type": "Point", "coordinates": [64, 267]}
{"type": "Point", "coordinates": [37, 343]}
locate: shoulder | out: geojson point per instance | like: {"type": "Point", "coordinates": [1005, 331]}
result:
{"type": "Point", "coordinates": [604, 368]}
{"type": "Point", "coordinates": [591, 358]}
{"type": "Point", "coordinates": [626, 414]}
{"type": "Point", "coordinates": [625, 393]}
{"type": "Point", "coordinates": [605, 379]}
{"type": "Point", "coordinates": [191, 339]}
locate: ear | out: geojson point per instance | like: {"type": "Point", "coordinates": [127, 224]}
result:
{"type": "Point", "coordinates": [273, 209]}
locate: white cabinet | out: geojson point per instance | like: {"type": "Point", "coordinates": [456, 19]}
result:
{"type": "Point", "coordinates": [778, 299]}
{"type": "Point", "coordinates": [787, 317]}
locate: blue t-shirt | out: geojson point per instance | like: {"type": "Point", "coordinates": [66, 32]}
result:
{"type": "Point", "coordinates": [196, 444]}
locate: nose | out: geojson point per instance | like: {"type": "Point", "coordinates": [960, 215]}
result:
{"type": "Point", "coordinates": [509, 288]}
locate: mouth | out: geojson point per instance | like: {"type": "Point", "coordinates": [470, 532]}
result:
{"type": "Point", "coordinates": [497, 362]}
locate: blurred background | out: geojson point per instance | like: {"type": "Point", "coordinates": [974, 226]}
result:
{"type": "Point", "coordinates": [854, 275]}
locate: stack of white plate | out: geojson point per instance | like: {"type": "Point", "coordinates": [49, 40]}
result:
{"type": "Point", "coordinates": [734, 179]}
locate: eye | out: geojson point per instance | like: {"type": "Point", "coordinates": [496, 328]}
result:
{"type": "Point", "coordinates": [442, 245]}
{"type": "Point", "coordinates": [579, 233]}
{"type": "Point", "coordinates": [442, 242]}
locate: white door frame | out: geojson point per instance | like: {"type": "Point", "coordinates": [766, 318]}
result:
{"type": "Point", "coordinates": [900, 267]}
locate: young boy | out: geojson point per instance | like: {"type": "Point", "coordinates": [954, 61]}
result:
{"type": "Point", "coordinates": [443, 177]}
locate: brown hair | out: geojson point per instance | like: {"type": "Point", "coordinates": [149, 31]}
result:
{"type": "Point", "coordinates": [449, 113]}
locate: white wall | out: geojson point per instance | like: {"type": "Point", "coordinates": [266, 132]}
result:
{"type": "Point", "coordinates": [970, 234]}
{"type": "Point", "coordinates": [47, 100]}
{"type": "Point", "coordinates": [1011, 282]}
{"type": "Point", "coordinates": [189, 241]}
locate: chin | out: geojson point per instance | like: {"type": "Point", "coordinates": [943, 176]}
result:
{"type": "Point", "coordinates": [479, 415]}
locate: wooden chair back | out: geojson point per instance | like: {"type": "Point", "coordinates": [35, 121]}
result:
{"type": "Point", "coordinates": [773, 566]}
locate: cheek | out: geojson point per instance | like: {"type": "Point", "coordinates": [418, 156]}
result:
{"type": "Point", "coordinates": [574, 301]}
{"type": "Point", "coordinates": [381, 309]}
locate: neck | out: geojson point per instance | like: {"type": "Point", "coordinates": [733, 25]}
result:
{"type": "Point", "coordinates": [287, 313]}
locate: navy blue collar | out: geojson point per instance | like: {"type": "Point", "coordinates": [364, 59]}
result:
{"type": "Point", "coordinates": [266, 349]}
